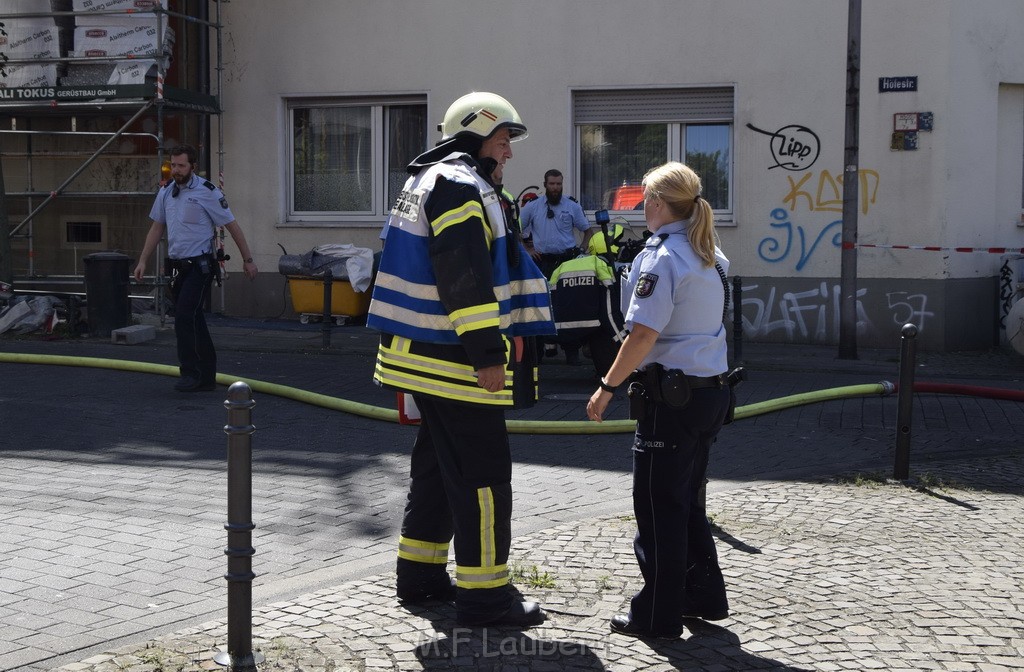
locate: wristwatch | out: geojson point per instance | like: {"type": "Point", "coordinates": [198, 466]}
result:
{"type": "Point", "coordinates": [247, 261]}
{"type": "Point", "coordinates": [606, 387]}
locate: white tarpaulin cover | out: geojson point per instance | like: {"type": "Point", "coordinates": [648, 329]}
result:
{"type": "Point", "coordinates": [344, 259]}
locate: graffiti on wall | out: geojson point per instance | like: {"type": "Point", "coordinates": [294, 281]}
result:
{"type": "Point", "coordinates": [1008, 293]}
{"type": "Point", "coordinates": [774, 251]}
{"type": "Point", "coordinates": [793, 147]}
{"type": "Point", "coordinates": [827, 194]}
{"type": "Point", "coordinates": [813, 315]}
{"type": "Point", "coordinates": [796, 148]}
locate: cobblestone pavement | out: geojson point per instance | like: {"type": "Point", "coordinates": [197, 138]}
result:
{"type": "Point", "coordinates": [112, 511]}
{"type": "Point", "coordinates": [854, 573]}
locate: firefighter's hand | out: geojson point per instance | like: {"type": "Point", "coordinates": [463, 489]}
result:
{"type": "Point", "coordinates": [598, 404]}
{"type": "Point", "coordinates": [491, 378]}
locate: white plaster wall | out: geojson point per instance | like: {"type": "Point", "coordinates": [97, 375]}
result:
{"type": "Point", "coordinates": [986, 51]}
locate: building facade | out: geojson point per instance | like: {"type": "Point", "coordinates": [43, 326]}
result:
{"type": "Point", "coordinates": [325, 101]}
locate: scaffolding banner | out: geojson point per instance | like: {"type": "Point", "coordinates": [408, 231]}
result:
{"type": "Point", "coordinates": [28, 94]}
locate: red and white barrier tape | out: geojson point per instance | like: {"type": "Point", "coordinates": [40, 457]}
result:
{"type": "Point", "coordinates": [159, 86]}
{"type": "Point", "coordinates": [936, 248]}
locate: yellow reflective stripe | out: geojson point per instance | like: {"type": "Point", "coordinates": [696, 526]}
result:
{"type": "Point", "coordinates": [485, 502]}
{"type": "Point", "coordinates": [475, 317]}
{"type": "Point", "coordinates": [453, 392]}
{"type": "Point", "coordinates": [401, 344]}
{"type": "Point", "coordinates": [408, 360]}
{"type": "Point", "coordinates": [423, 551]}
{"type": "Point", "coordinates": [457, 216]}
{"type": "Point", "coordinates": [481, 577]}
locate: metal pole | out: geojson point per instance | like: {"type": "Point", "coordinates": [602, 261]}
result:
{"type": "Point", "coordinates": [737, 320]}
{"type": "Point", "coordinates": [905, 404]}
{"type": "Point", "coordinates": [851, 175]}
{"type": "Point", "coordinates": [239, 550]}
{"type": "Point", "coordinates": [325, 326]}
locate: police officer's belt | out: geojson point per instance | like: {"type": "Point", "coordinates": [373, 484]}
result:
{"type": "Point", "coordinates": [655, 375]}
{"type": "Point", "coordinates": [185, 265]}
{"type": "Point", "coordinates": [671, 387]}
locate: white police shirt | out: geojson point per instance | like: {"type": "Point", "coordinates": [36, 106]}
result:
{"type": "Point", "coordinates": [552, 235]}
{"type": "Point", "coordinates": [191, 216]}
{"type": "Point", "coordinates": [670, 291]}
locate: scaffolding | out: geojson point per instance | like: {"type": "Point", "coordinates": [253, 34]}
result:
{"type": "Point", "coordinates": [92, 95]}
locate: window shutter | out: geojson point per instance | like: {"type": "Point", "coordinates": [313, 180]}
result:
{"type": "Point", "coordinates": [640, 106]}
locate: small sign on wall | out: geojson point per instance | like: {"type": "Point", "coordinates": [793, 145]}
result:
{"type": "Point", "coordinates": [904, 121]}
{"type": "Point", "coordinates": [905, 129]}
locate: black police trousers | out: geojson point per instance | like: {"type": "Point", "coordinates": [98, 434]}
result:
{"type": "Point", "coordinates": [674, 546]}
{"type": "Point", "coordinates": [461, 486]}
{"type": "Point", "coordinates": [197, 357]}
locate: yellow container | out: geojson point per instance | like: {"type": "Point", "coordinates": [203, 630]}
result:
{"type": "Point", "coordinates": [308, 297]}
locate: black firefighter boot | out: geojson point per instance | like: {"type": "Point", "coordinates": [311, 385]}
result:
{"type": "Point", "coordinates": [420, 582]}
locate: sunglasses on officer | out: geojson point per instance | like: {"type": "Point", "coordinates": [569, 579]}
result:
{"type": "Point", "coordinates": [551, 215]}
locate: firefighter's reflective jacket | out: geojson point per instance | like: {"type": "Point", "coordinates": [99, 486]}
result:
{"type": "Point", "coordinates": [584, 298]}
{"type": "Point", "coordinates": [446, 299]}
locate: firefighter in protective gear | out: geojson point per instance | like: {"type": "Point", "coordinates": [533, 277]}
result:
{"type": "Point", "coordinates": [454, 297]}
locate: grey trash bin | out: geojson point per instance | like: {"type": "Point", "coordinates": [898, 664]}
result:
{"type": "Point", "coordinates": [106, 292]}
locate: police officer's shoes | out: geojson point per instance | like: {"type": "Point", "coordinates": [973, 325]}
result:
{"type": "Point", "coordinates": [194, 385]}
{"type": "Point", "coordinates": [519, 615]}
{"type": "Point", "coordinates": [624, 625]}
{"type": "Point", "coordinates": [414, 594]}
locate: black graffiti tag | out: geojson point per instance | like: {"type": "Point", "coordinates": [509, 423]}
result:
{"type": "Point", "coordinates": [793, 147]}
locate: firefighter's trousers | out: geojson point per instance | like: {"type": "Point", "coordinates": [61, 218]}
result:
{"type": "Point", "coordinates": [461, 487]}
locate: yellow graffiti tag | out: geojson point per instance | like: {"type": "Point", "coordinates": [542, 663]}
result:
{"type": "Point", "coordinates": [829, 195]}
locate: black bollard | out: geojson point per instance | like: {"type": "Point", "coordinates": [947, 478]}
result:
{"type": "Point", "coordinates": [737, 320]}
{"type": "Point", "coordinates": [905, 403]}
{"type": "Point", "coordinates": [239, 429]}
{"type": "Point", "coordinates": [325, 326]}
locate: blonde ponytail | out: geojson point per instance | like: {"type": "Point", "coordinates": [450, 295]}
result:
{"type": "Point", "coordinates": [679, 187]}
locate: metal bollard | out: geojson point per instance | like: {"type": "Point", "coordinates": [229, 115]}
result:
{"type": "Point", "coordinates": [239, 550]}
{"type": "Point", "coordinates": [737, 320]}
{"type": "Point", "coordinates": [905, 404]}
{"type": "Point", "coordinates": [325, 325]}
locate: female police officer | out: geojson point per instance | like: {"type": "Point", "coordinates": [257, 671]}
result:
{"type": "Point", "coordinates": [674, 301]}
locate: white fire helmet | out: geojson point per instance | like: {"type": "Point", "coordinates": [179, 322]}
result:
{"type": "Point", "coordinates": [481, 113]}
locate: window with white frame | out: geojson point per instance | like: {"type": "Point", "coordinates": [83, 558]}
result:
{"type": "Point", "coordinates": [622, 133]}
{"type": "Point", "coordinates": [348, 156]}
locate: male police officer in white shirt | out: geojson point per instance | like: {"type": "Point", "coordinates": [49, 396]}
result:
{"type": "Point", "coordinates": [190, 209]}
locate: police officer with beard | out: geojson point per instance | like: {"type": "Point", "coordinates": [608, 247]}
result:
{"type": "Point", "coordinates": [190, 210]}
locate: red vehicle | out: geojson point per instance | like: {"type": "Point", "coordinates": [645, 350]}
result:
{"type": "Point", "coordinates": [626, 197]}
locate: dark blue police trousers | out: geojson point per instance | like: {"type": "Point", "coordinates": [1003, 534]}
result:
{"type": "Point", "coordinates": [197, 357]}
{"type": "Point", "coordinates": [674, 546]}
